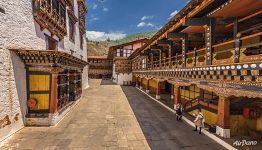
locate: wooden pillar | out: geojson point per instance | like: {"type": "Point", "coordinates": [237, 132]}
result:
{"type": "Point", "coordinates": [147, 86]}
{"type": "Point", "coordinates": [176, 59]}
{"type": "Point", "coordinates": [152, 60]}
{"type": "Point", "coordinates": [195, 55]}
{"type": "Point", "coordinates": [172, 91]}
{"type": "Point", "coordinates": [169, 55]}
{"type": "Point", "coordinates": [237, 41]}
{"type": "Point", "coordinates": [209, 38]}
{"type": "Point", "coordinates": [158, 90]}
{"type": "Point", "coordinates": [177, 97]}
{"type": "Point", "coordinates": [141, 83]}
{"type": "Point", "coordinates": [184, 49]}
{"type": "Point", "coordinates": [137, 82]}
{"type": "Point", "coordinates": [223, 118]}
{"type": "Point", "coordinates": [160, 58]}
{"type": "Point", "coordinates": [53, 100]}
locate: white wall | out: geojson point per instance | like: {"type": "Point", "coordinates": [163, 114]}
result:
{"type": "Point", "coordinates": [18, 30]}
{"type": "Point", "coordinates": [124, 77]}
{"type": "Point", "coordinates": [120, 78]}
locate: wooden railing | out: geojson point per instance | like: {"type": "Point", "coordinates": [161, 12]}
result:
{"type": "Point", "coordinates": [223, 54]}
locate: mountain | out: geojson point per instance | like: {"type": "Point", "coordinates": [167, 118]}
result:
{"type": "Point", "coordinates": [100, 48]}
{"type": "Point", "coordinates": [133, 37]}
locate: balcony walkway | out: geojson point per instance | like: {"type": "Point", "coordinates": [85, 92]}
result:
{"type": "Point", "coordinates": [113, 117]}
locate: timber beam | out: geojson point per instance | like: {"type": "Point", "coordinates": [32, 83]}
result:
{"type": "Point", "coordinates": [164, 42]}
{"type": "Point", "coordinates": [174, 35]}
{"type": "Point", "coordinates": [197, 21]}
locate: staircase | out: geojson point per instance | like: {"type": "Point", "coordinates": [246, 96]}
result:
{"type": "Point", "coordinates": [199, 103]}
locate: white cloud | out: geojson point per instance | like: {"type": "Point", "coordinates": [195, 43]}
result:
{"type": "Point", "coordinates": [141, 24]}
{"type": "Point", "coordinates": [172, 14]}
{"type": "Point", "coordinates": [94, 6]}
{"type": "Point", "coordinates": [102, 36]}
{"type": "Point", "coordinates": [149, 24]}
{"type": "Point", "coordinates": [105, 9]}
{"type": "Point", "coordinates": [146, 17]}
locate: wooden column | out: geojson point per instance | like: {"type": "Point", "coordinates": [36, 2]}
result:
{"type": "Point", "coordinates": [223, 118]}
{"type": "Point", "coordinates": [147, 86]}
{"type": "Point", "coordinates": [177, 97]}
{"type": "Point", "coordinates": [152, 60]}
{"type": "Point", "coordinates": [172, 91]}
{"type": "Point", "coordinates": [184, 49]}
{"type": "Point", "coordinates": [158, 90]}
{"type": "Point", "coordinates": [209, 38]}
{"type": "Point", "coordinates": [137, 82]}
{"type": "Point", "coordinates": [176, 59]}
{"type": "Point", "coordinates": [169, 55]}
{"type": "Point", "coordinates": [237, 41]}
{"type": "Point", "coordinates": [195, 55]}
{"type": "Point", "coordinates": [53, 100]}
{"type": "Point", "coordinates": [160, 58]}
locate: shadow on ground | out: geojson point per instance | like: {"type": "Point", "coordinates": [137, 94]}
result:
{"type": "Point", "coordinates": [107, 82]}
{"type": "Point", "coordinates": [160, 127]}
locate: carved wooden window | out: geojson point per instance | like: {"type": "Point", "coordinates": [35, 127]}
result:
{"type": "Point", "coordinates": [144, 63]}
{"type": "Point", "coordinates": [62, 12]}
{"type": "Point", "coordinates": [71, 30]}
{"type": "Point", "coordinates": [81, 41]}
{"type": "Point", "coordinates": [55, 5]}
{"type": "Point", "coordinates": [118, 52]}
{"type": "Point", "coordinates": [51, 44]}
{"type": "Point", "coordinates": [63, 89]}
{"type": "Point", "coordinates": [189, 92]}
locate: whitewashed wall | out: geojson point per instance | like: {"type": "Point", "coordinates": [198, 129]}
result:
{"type": "Point", "coordinates": [18, 30]}
{"type": "Point", "coordinates": [124, 77]}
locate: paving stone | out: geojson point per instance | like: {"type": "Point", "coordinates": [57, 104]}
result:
{"type": "Point", "coordinates": [112, 117]}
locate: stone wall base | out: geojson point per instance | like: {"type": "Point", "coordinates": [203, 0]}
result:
{"type": "Point", "coordinates": [225, 133]}
{"type": "Point", "coordinates": [49, 119]}
{"type": "Point", "coordinates": [157, 97]}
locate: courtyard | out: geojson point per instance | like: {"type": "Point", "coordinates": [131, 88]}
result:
{"type": "Point", "coordinates": [113, 117]}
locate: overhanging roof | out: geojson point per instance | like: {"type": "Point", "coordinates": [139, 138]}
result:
{"type": "Point", "coordinates": [49, 58]}
{"type": "Point", "coordinates": [237, 8]}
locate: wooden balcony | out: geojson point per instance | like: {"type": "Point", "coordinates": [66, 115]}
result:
{"type": "Point", "coordinates": [48, 18]}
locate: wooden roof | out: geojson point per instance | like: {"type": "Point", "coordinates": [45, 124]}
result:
{"type": "Point", "coordinates": [237, 8]}
{"type": "Point", "coordinates": [49, 58]}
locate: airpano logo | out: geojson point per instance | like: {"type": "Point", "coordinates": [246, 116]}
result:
{"type": "Point", "coordinates": [244, 143]}
{"type": "Point", "coordinates": [2, 10]}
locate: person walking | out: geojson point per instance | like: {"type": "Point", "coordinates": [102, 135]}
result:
{"type": "Point", "coordinates": [199, 120]}
{"type": "Point", "coordinates": [179, 109]}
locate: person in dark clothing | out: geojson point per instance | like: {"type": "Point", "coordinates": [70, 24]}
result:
{"type": "Point", "coordinates": [179, 109]}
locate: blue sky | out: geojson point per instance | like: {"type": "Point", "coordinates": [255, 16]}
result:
{"type": "Point", "coordinates": [118, 18]}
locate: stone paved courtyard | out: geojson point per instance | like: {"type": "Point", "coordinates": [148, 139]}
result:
{"type": "Point", "coordinates": [113, 117]}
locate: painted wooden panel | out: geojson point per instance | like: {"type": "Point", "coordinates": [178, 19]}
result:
{"type": "Point", "coordinates": [39, 87]}
{"type": "Point", "coordinates": [39, 82]}
{"type": "Point", "coordinates": [252, 40]}
{"type": "Point", "coordinates": [42, 101]}
{"type": "Point", "coordinates": [224, 47]}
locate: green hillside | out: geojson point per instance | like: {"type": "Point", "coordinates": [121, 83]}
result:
{"type": "Point", "coordinates": [133, 37]}
{"type": "Point", "coordinates": [100, 48]}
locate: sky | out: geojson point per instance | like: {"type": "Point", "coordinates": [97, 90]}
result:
{"type": "Point", "coordinates": [115, 19]}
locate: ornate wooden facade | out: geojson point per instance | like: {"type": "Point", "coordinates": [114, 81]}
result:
{"type": "Point", "coordinates": [214, 46]}
{"type": "Point", "coordinates": [53, 79]}
{"type": "Point", "coordinates": [100, 67]}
